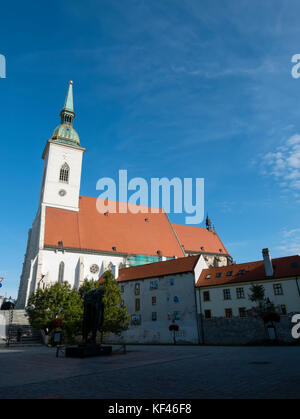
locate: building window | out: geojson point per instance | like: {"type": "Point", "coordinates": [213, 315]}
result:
{"type": "Point", "coordinates": [218, 274]}
{"type": "Point", "coordinates": [242, 312]}
{"type": "Point", "coordinates": [176, 299]}
{"type": "Point", "coordinates": [154, 316]}
{"type": "Point", "coordinates": [206, 296]}
{"type": "Point", "coordinates": [136, 320]}
{"type": "Point", "coordinates": [137, 289]}
{"type": "Point", "coordinates": [176, 315]}
{"type": "Point", "coordinates": [137, 304]}
{"type": "Point", "coordinates": [207, 314]}
{"type": "Point", "coordinates": [122, 288]}
{"type": "Point", "coordinates": [208, 276]}
{"type": "Point", "coordinates": [228, 313]}
{"type": "Point", "coordinates": [64, 173]}
{"type": "Point", "coordinates": [229, 273]}
{"type": "Point", "coordinates": [278, 289]}
{"type": "Point", "coordinates": [41, 285]}
{"type": "Point", "coordinates": [283, 310]}
{"type": "Point", "coordinates": [153, 285]}
{"type": "Point", "coordinates": [240, 293]}
{"type": "Point", "coordinates": [153, 301]}
{"type": "Point", "coordinates": [226, 294]}
{"type": "Point", "coordinates": [172, 280]}
{"type": "Point", "coordinates": [61, 271]}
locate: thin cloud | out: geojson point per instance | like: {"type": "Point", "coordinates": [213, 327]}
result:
{"type": "Point", "coordinates": [290, 242]}
{"type": "Point", "coordinates": [283, 164]}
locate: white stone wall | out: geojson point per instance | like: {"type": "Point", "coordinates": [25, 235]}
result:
{"type": "Point", "coordinates": [56, 156]}
{"type": "Point", "coordinates": [213, 260]}
{"type": "Point", "coordinates": [216, 261]}
{"type": "Point", "coordinates": [217, 304]}
{"type": "Point", "coordinates": [31, 264]}
{"type": "Point", "coordinates": [76, 265]}
{"type": "Point", "coordinates": [150, 331]}
{"type": "Point", "coordinates": [201, 264]}
{"type": "Point", "coordinates": [3, 327]}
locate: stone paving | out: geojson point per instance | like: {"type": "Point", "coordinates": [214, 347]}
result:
{"type": "Point", "coordinates": [159, 372]}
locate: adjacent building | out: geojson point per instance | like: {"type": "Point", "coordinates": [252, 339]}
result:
{"type": "Point", "coordinates": [224, 291]}
{"type": "Point", "coordinates": [209, 305]}
{"type": "Point", "coordinates": [161, 294]}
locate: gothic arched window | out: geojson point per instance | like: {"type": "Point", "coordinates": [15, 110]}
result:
{"type": "Point", "coordinates": [61, 271]}
{"type": "Point", "coordinates": [64, 173]}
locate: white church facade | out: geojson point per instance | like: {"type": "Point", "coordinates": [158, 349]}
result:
{"type": "Point", "coordinates": [70, 240]}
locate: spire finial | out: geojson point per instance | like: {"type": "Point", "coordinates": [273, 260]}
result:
{"type": "Point", "coordinates": [208, 223]}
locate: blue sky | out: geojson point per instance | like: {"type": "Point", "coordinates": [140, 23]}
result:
{"type": "Point", "coordinates": [187, 88]}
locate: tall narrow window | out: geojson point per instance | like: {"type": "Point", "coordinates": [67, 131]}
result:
{"type": "Point", "coordinates": [206, 296]}
{"type": "Point", "coordinates": [242, 312]}
{"type": "Point", "coordinates": [228, 313]}
{"type": "Point", "coordinates": [226, 294]}
{"type": "Point", "coordinates": [137, 304]}
{"type": "Point", "coordinates": [240, 293]}
{"type": "Point", "coordinates": [64, 173]}
{"type": "Point", "coordinates": [137, 289]}
{"type": "Point", "coordinates": [61, 272]}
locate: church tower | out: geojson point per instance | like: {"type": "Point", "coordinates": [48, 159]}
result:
{"type": "Point", "coordinates": [62, 162]}
{"type": "Point", "coordinates": [60, 188]}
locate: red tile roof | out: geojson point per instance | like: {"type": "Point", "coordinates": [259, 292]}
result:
{"type": "Point", "coordinates": [193, 238]}
{"type": "Point", "coordinates": [151, 270]}
{"type": "Point", "coordinates": [128, 233]}
{"type": "Point", "coordinates": [253, 271]}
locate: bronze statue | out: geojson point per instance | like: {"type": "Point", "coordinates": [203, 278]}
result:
{"type": "Point", "coordinates": [93, 317]}
{"type": "Point", "coordinates": [93, 314]}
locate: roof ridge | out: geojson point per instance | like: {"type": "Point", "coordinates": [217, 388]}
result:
{"type": "Point", "coordinates": [161, 210]}
{"type": "Point", "coordinates": [249, 263]}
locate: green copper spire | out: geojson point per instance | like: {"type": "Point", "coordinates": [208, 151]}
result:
{"type": "Point", "coordinates": [65, 133]}
{"type": "Point", "coordinates": [67, 114]}
{"type": "Point", "coordinates": [69, 99]}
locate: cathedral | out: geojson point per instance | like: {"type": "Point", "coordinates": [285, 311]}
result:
{"type": "Point", "coordinates": [70, 240]}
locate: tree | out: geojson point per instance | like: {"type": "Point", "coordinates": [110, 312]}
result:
{"type": "Point", "coordinates": [86, 286]}
{"type": "Point", "coordinates": [265, 309]}
{"type": "Point", "coordinates": [257, 293]}
{"type": "Point", "coordinates": [59, 301]}
{"type": "Point", "coordinates": [116, 318]}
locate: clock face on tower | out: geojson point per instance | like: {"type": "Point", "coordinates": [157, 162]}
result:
{"type": "Point", "coordinates": [62, 192]}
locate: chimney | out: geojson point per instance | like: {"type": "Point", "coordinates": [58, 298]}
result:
{"type": "Point", "coordinates": [268, 262]}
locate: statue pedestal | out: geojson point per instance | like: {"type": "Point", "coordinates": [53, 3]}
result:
{"type": "Point", "coordinates": [87, 350]}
